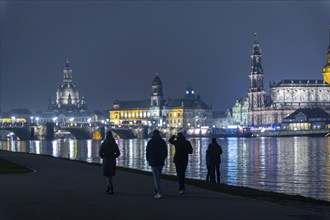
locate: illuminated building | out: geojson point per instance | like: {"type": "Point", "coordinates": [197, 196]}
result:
{"type": "Point", "coordinates": [285, 97]}
{"type": "Point", "coordinates": [306, 119]}
{"type": "Point", "coordinates": [67, 106]}
{"type": "Point", "coordinates": [326, 68]}
{"type": "Point", "coordinates": [67, 95]}
{"type": "Point", "coordinates": [239, 113]}
{"type": "Point", "coordinates": [184, 113]}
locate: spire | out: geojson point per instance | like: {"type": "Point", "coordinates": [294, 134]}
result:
{"type": "Point", "coordinates": [256, 66]}
{"type": "Point", "coordinates": [67, 66]}
{"type": "Point", "coordinates": [67, 71]}
{"type": "Point", "coordinates": [256, 46]}
{"type": "Point", "coordinates": [157, 80]}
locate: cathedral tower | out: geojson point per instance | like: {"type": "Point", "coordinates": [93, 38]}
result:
{"type": "Point", "coordinates": [157, 101]}
{"type": "Point", "coordinates": [256, 90]}
{"type": "Point", "coordinates": [157, 92]}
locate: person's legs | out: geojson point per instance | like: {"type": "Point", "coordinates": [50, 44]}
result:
{"type": "Point", "coordinates": [208, 173]}
{"type": "Point", "coordinates": [212, 173]}
{"type": "Point", "coordinates": [156, 172]}
{"type": "Point", "coordinates": [110, 184]}
{"type": "Point", "coordinates": [181, 169]}
{"type": "Point", "coordinates": [217, 170]}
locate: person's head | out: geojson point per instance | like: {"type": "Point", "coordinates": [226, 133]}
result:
{"type": "Point", "coordinates": [214, 140]}
{"type": "Point", "coordinates": [155, 133]}
{"type": "Point", "coordinates": [181, 136]}
{"type": "Point", "coordinates": [109, 134]}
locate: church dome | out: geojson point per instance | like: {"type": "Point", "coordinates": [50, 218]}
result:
{"type": "Point", "coordinates": [67, 95]}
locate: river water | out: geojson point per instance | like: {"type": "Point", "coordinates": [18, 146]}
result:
{"type": "Point", "coordinates": [291, 165]}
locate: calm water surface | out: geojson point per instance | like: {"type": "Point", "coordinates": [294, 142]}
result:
{"type": "Point", "coordinates": [291, 165]}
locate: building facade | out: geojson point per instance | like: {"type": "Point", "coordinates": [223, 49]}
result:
{"type": "Point", "coordinates": [286, 96]}
{"type": "Point", "coordinates": [67, 106]}
{"type": "Point", "coordinates": [306, 119]}
{"type": "Point", "coordinates": [240, 111]}
{"type": "Point", "coordinates": [158, 112]}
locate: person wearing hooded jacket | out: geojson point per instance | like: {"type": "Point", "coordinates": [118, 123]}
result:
{"type": "Point", "coordinates": [156, 153]}
{"type": "Point", "coordinates": [182, 149]}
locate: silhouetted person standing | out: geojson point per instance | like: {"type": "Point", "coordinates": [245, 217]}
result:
{"type": "Point", "coordinates": [213, 157]}
{"type": "Point", "coordinates": [156, 153]}
{"type": "Point", "coordinates": [109, 151]}
{"type": "Point", "coordinates": [182, 149]}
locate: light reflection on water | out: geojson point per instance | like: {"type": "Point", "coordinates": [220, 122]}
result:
{"type": "Point", "coordinates": [293, 165]}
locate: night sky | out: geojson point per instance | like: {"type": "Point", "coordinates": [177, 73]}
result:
{"type": "Point", "coordinates": [115, 48]}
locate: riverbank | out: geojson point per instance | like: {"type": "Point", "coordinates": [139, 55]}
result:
{"type": "Point", "coordinates": [66, 189]}
{"type": "Point", "coordinates": [292, 133]}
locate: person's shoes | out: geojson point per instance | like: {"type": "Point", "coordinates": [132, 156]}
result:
{"type": "Point", "coordinates": [111, 190]}
{"type": "Point", "coordinates": [108, 189]}
{"type": "Point", "coordinates": [158, 196]}
{"type": "Point", "coordinates": [181, 191]}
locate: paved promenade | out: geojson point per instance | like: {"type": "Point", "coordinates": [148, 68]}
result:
{"type": "Point", "coordinates": [62, 189]}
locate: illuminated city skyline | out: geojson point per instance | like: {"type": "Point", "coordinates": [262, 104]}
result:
{"type": "Point", "coordinates": [116, 52]}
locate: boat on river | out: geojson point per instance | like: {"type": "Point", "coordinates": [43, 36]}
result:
{"type": "Point", "coordinates": [230, 131]}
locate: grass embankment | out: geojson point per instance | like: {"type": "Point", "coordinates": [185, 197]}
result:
{"type": "Point", "coordinates": [8, 167]}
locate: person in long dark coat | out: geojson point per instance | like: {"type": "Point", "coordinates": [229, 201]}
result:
{"type": "Point", "coordinates": [156, 153]}
{"type": "Point", "coordinates": [182, 149]}
{"type": "Point", "coordinates": [213, 155]}
{"type": "Point", "coordinates": [109, 151]}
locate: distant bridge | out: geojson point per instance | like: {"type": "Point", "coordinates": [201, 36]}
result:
{"type": "Point", "coordinates": [47, 131]}
{"type": "Point", "coordinates": [80, 131]}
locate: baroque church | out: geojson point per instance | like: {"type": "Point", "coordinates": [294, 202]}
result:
{"type": "Point", "coordinates": [285, 97]}
{"type": "Point", "coordinates": [180, 114]}
{"type": "Point", "coordinates": [67, 106]}
{"type": "Point", "coordinates": [67, 96]}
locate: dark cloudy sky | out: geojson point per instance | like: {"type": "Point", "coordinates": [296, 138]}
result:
{"type": "Point", "coordinates": [115, 48]}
